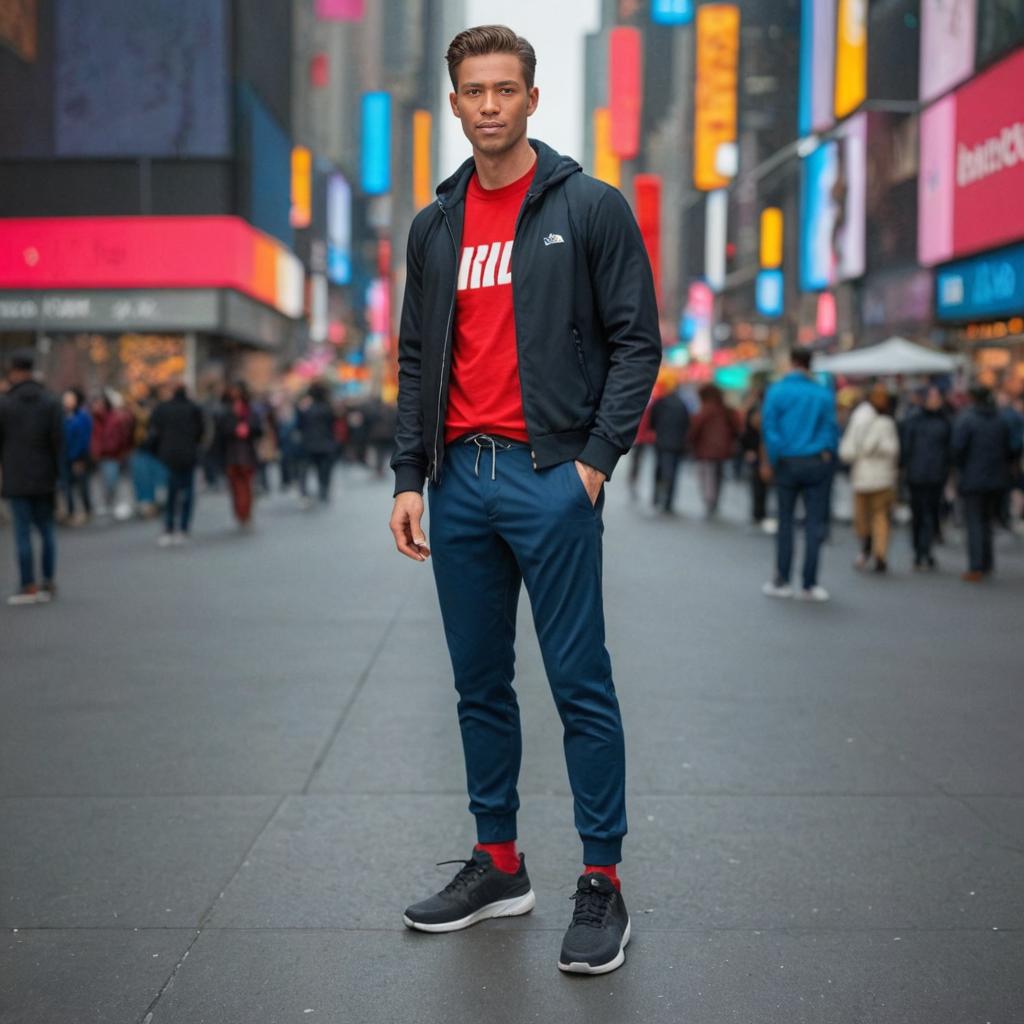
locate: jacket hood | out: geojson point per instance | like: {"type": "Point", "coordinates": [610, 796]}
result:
{"type": "Point", "coordinates": [552, 168]}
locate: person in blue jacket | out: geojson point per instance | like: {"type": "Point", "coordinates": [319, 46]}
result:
{"type": "Point", "coordinates": [74, 475]}
{"type": "Point", "coordinates": [801, 435]}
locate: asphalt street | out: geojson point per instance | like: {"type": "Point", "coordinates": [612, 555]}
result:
{"type": "Point", "coordinates": [225, 770]}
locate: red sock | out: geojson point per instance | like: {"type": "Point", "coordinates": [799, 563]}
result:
{"type": "Point", "coordinates": [604, 869]}
{"type": "Point", "coordinates": [503, 855]}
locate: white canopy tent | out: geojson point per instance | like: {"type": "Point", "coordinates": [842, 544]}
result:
{"type": "Point", "coordinates": [895, 357]}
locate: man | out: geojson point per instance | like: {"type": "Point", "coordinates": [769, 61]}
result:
{"type": "Point", "coordinates": [800, 435]}
{"type": "Point", "coordinates": [982, 451]}
{"type": "Point", "coordinates": [522, 379]}
{"type": "Point", "coordinates": [670, 420]}
{"type": "Point", "coordinates": [176, 433]}
{"type": "Point", "coordinates": [31, 435]}
{"type": "Point", "coordinates": [925, 450]}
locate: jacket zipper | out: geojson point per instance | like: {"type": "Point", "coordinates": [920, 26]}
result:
{"type": "Point", "coordinates": [578, 344]}
{"type": "Point", "coordinates": [447, 335]}
{"type": "Point", "coordinates": [530, 197]}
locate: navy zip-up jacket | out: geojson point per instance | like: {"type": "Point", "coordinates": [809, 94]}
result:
{"type": "Point", "coordinates": [587, 334]}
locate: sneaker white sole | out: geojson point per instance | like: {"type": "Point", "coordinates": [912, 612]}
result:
{"type": "Point", "coordinates": [499, 908]}
{"type": "Point", "coordinates": [616, 962]}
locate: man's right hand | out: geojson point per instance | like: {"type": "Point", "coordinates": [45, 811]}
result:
{"type": "Point", "coordinates": [405, 525]}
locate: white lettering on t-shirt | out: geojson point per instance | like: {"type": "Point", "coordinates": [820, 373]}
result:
{"type": "Point", "coordinates": [484, 266]}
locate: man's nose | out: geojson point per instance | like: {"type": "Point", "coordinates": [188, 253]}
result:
{"type": "Point", "coordinates": [490, 104]}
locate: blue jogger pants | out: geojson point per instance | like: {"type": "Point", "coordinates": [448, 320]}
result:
{"type": "Point", "coordinates": [496, 523]}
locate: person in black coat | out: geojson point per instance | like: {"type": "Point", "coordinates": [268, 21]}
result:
{"type": "Point", "coordinates": [176, 431]}
{"type": "Point", "coordinates": [982, 450]}
{"type": "Point", "coordinates": [926, 455]}
{"type": "Point", "coordinates": [670, 420]}
{"type": "Point", "coordinates": [316, 428]}
{"type": "Point", "coordinates": [31, 438]}
{"type": "Point", "coordinates": [750, 447]}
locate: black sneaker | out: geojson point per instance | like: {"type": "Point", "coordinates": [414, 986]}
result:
{"type": "Point", "coordinates": [478, 892]}
{"type": "Point", "coordinates": [599, 931]}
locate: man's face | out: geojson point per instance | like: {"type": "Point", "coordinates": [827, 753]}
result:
{"type": "Point", "coordinates": [492, 102]}
{"type": "Point", "coordinates": [933, 403]}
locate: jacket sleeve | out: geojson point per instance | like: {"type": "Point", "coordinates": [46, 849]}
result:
{"type": "Point", "coordinates": [961, 439]}
{"type": "Point", "coordinates": [850, 446]}
{"type": "Point", "coordinates": [885, 440]}
{"type": "Point", "coordinates": [409, 461]}
{"type": "Point", "coordinates": [623, 288]}
{"type": "Point", "coordinates": [770, 432]}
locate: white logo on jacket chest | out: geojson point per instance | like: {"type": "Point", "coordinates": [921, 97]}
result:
{"type": "Point", "coordinates": [485, 266]}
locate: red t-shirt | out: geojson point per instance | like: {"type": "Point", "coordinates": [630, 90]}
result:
{"type": "Point", "coordinates": [484, 393]}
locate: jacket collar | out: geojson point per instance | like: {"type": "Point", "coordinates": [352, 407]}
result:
{"type": "Point", "coordinates": [552, 168]}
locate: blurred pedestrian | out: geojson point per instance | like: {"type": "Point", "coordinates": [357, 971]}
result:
{"type": "Point", "coordinates": [176, 430]}
{"type": "Point", "coordinates": [74, 468]}
{"type": "Point", "coordinates": [752, 449]}
{"type": "Point", "coordinates": [316, 427]}
{"type": "Point", "coordinates": [148, 473]}
{"type": "Point", "coordinates": [798, 422]}
{"type": "Point", "coordinates": [210, 455]}
{"type": "Point", "coordinates": [383, 422]}
{"type": "Point", "coordinates": [644, 441]}
{"type": "Point", "coordinates": [983, 448]}
{"type": "Point", "coordinates": [553, 356]}
{"type": "Point", "coordinates": [31, 439]}
{"type": "Point", "coordinates": [239, 429]}
{"type": "Point", "coordinates": [926, 454]}
{"type": "Point", "coordinates": [714, 432]}
{"type": "Point", "coordinates": [112, 443]}
{"type": "Point", "coordinates": [1014, 421]}
{"type": "Point", "coordinates": [871, 448]}
{"type": "Point", "coordinates": [670, 421]}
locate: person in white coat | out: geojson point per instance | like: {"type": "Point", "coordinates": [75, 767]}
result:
{"type": "Point", "coordinates": [871, 447]}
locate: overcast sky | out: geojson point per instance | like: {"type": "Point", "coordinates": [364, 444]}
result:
{"type": "Point", "coordinates": [556, 30]}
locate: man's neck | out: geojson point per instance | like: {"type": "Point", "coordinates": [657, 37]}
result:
{"type": "Point", "coordinates": [501, 170]}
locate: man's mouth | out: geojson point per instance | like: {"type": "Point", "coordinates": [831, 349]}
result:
{"type": "Point", "coordinates": [490, 126]}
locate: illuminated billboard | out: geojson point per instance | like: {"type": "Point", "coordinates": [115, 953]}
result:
{"type": "Point", "coordinates": [817, 65]}
{"type": "Point", "coordinates": [672, 12]}
{"type": "Point", "coordinates": [833, 202]}
{"type": "Point", "coordinates": [339, 230]}
{"type": "Point", "coordinates": [718, 40]}
{"type": "Point", "coordinates": [972, 166]}
{"type": "Point", "coordinates": [625, 90]}
{"type": "Point", "coordinates": [851, 81]}
{"type": "Point", "coordinates": [375, 154]}
{"type": "Point", "coordinates": [947, 45]}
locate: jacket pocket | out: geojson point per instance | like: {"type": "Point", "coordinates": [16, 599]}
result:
{"type": "Point", "coordinates": [577, 342]}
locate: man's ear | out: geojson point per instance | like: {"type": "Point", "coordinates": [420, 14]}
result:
{"type": "Point", "coordinates": [453, 99]}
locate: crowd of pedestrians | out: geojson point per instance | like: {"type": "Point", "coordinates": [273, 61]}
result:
{"type": "Point", "coordinates": [943, 456]}
{"type": "Point", "coordinates": [69, 460]}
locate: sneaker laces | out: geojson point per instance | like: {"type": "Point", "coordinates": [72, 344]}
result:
{"type": "Point", "coordinates": [471, 870]}
{"type": "Point", "coordinates": [592, 907]}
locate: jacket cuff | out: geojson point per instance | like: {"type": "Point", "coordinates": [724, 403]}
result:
{"type": "Point", "coordinates": [600, 454]}
{"type": "Point", "coordinates": [408, 477]}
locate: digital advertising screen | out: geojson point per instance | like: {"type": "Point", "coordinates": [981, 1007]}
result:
{"type": "Point", "coordinates": [833, 200]}
{"type": "Point", "coordinates": [947, 45]}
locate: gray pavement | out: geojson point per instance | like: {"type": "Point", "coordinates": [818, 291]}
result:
{"type": "Point", "coordinates": [224, 771]}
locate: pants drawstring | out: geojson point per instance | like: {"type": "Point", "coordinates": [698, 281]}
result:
{"type": "Point", "coordinates": [482, 442]}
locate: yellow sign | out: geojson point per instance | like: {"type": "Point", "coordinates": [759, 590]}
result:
{"type": "Point", "coordinates": [851, 56]}
{"type": "Point", "coordinates": [718, 42]}
{"type": "Point", "coordinates": [606, 163]}
{"type": "Point", "coordinates": [771, 238]}
{"type": "Point", "coordinates": [302, 187]}
{"type": "Point", "coordinates": [422, 194]}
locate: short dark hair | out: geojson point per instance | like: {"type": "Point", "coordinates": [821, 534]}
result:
{"type": "Point", "coordinates": [23, 359]}
{"type": "Point", "coordinates": [485, 39]}
{"type": "Point", "coordinates": [801, 357]}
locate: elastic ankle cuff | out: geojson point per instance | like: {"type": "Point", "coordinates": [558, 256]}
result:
{"type": "Point", "coordinates": [602, 851]}
{"type": "Point", "coordinates": [496, 828]}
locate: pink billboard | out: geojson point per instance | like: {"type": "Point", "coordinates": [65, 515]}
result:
{"type": "Point", "coordinates": [947, 45]}
{"type": "Point", "coordinates": [935, 185]}
{"type": "Point", "coordinates": [971, 195]}
{"type": "Point", "coordinates": [339, 10]}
